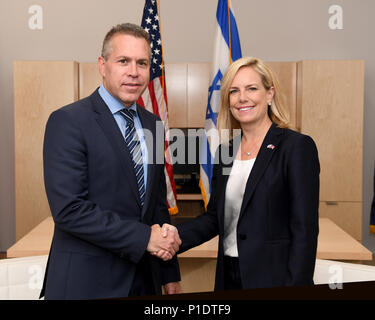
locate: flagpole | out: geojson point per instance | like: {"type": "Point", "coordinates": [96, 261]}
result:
{"type": "Point", "coordinates": [162, 61]}
{"type": "Point", "coordinates": [230, 39]}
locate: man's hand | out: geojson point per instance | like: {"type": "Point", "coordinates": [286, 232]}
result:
{"type": "Point", "coordinates": [172, 288]}
{"type": "Point", "coordinates": [167, 230]}
{"type": "Point", "coordinates": [163, 246]}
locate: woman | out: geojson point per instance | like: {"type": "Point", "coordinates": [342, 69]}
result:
{"type": "Point", "coordinates": [266, 210]}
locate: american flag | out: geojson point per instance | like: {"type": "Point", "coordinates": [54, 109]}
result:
{"type": "Point", "coordinates": [154, 98]}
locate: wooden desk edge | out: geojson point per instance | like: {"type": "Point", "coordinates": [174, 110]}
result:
{"type": "Point", "coordinates": [198, 254]}
{"type": "Point", "coordinates": [344, 256]}
{"type": "Point", "coordinates": [206, 250]}
{"type": "Point", "coordinates": [26, 253]}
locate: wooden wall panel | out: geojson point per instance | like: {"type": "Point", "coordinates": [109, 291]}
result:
{"type": "Point", "coordinates": [330, 109]}
{"type": "Point", "coordinates": [39, 88]}
{"type": "Point", "coordinates": [176, 83]}
{"type": "Point", "coordinates": [286, 73]}
{"type": "Point", "coordinates": [197, 85]}
{"type": "Point", "coordinates": [89, 78]}
{"type": "Point", "coordinates": [330, 102]}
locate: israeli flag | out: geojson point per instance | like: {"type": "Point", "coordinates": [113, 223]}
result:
{"type": "Point", "coordinates": [227, 49]}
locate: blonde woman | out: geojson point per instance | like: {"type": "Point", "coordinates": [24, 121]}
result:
{"type": "Point", "coordinates": [264, 202]}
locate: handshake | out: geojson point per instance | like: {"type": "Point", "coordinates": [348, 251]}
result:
{"type": "Point", "coordinates": [164, 241]}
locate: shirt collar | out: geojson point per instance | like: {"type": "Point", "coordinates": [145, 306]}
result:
{"type": "Point", "coordinates": [113, 104]}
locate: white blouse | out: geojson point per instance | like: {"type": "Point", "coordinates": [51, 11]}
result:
{"type": "Point", "coordinates": [233, 201]}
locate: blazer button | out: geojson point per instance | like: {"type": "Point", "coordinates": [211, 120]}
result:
{"type": "Point", "coordinates": [242, 236]}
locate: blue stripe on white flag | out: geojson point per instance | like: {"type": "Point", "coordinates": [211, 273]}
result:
{"type": "Point", "coordinates": [222, 20]}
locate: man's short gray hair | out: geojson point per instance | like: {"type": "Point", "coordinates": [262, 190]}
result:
{"type": "Point", "coordinates": [124, 28]}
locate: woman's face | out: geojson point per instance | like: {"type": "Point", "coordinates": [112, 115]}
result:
{"type": "Point", "coordinates": [248, 98]}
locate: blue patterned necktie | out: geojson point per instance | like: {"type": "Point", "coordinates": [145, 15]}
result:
{"type": "Point", "coordinates": [134, 146]}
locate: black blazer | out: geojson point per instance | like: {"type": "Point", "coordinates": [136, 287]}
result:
{"type": "Point", "coordinates": [101, 230]}
{"type": "Point", "coordinates": [277, 229]}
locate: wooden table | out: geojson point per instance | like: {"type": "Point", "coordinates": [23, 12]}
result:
{"type": "Point", "coordinates": [333, 243]}
{"type": "Point", "coordinates": [36, 243]}
{"type": "Point", "coordinates": [198, 264]}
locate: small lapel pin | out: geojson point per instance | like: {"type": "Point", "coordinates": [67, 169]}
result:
{"type": "Point", "coordinates": [271, 146]}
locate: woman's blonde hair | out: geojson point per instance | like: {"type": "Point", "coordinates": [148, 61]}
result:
{"type": "Point", "coordinates": [277, 112]}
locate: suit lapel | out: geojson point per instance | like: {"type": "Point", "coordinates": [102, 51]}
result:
{"type": "Point", "coordinates": [266, 151]}
{"type": "Point", "coordinates": [110, 128]}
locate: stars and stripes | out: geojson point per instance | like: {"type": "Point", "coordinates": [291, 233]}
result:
{"type": "Point", "coordinates": [154, 98]}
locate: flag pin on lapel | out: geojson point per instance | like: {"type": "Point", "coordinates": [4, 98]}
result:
{"type": "Point", "coordinates": [271, 146]}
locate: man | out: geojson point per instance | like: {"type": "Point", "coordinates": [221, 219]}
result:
{"type": "Point", "coordinates": [104, 186]}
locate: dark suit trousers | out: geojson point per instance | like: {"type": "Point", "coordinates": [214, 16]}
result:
{"type": "Point", "coordinates": [232, 276]}
{"type": "Point", "coordinates": [143, 284]}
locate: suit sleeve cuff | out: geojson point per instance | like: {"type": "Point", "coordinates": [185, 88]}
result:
{"type": "Point", "coordinates": [139, 246]}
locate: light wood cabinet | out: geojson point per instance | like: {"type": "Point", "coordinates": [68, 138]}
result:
{"type": "Point", "coordinates": [330, 109]}
{"type": "Point", "coordinates": [89, 78]}
{"type": "Point", "coordinates": [40, 87]}
{"type": "Point", "coordinates": [176, 84]}
{"type": "Point", "coordinates": [187, 91]}
{"type": "Point", "coordinates": [197, 93]}
{"type": "Point", "coordinates": [286, 73]}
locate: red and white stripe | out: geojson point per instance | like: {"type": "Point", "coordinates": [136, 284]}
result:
{"type": "Point", "coordinates": [155, 101]}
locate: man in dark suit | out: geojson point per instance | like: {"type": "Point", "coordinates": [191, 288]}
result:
{"type": "Point", "coordinates": [106, 187]}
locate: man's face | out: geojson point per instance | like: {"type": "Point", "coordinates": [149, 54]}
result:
{"type": "Point", "coordinates": [126, 72]}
